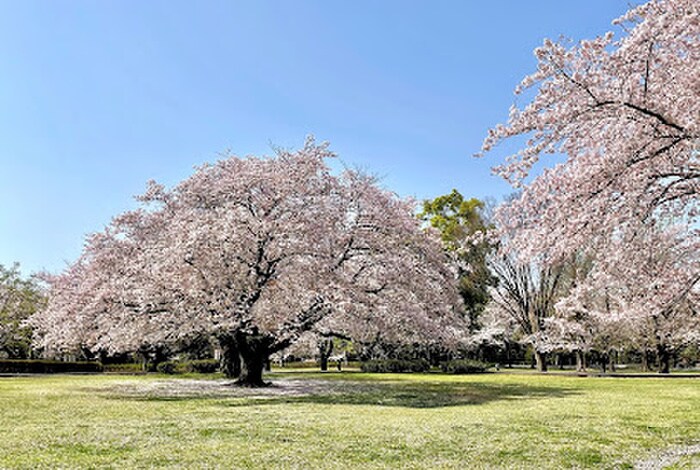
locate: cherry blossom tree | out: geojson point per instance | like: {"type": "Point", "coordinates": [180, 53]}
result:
{"type": "Point", "coordinates": [648, 292]}
{"type": "Point", "coordinates": [257, 251]}
{"type": "Point", "coordinates": [588, 326]}
{"type": "Point", "coordinates": [624, 113]}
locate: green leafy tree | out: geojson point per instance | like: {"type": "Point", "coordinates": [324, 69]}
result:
{"type": "Point", "coordinates": [19, 299]}
{"type": "Point", "coordinates": [460, 221]}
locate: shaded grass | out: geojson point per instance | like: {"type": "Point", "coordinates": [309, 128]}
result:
{"type": "Point", "coordinates": [358, 420]}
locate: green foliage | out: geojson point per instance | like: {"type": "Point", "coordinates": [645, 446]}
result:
{"type": "Point", "coordinates": [203, 366]}
{"type": "Point", "coordinates": [464, 366]}
{"type": "Point", "coordinates": [458, 220]}
{"type": "Point", "coordinates": [154, 354]}
{"type": "Point", "coordinates": [170, 367]}
{"type": "Point", "coordinates": [454, 217]}
{"type": "Point", "coordinates": [196, 346]}
{"type": "Point", "coordinates": [689, 356]}
{"type": "Point", "coordinates": [395, 365]}
{"type": "Point", "coordinates": [22, 366]}
{"type": "Point", "coordinates": [19, 299]}
{"type": "Point", "coordinates": [300, 365]}
{"type": "Point", "coordinates": [200, 366]}
{"type": "Point", "coordinates": [124, 368]}
{"type": "Point", "coordinates": [313, 365]}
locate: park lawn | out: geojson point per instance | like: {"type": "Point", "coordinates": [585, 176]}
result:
{"type": "Point", "coordinates": [358, 421]}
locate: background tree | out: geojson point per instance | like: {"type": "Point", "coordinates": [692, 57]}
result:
{"type": "Point", "coordinates": [256, 251]}
{"type": "Point", "coordinates": [574, 327]}
{"type": "Point", "coordinates": [458, 221]}
{"type": "Point", "coordinates": [19, 299]}
{"type": "Point", "coordinates": [649, 290]}
{"type": "Point", "coordinates": [525, 296]}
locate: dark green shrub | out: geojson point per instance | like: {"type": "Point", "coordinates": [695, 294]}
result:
{"type": "Point", "coordinates": [126, 368]}
{"type": "Point", "coordinates": [299, 364]}
{"type": "Point", "coordinates": [9, 366]}
{"type": "Point", "coordinates": [464, 366]}
{"type": "Point", "coordinates": [395, 365]}
{"type": "Point", "coordinates": [202, 366]}
{"type": "Point", "coordinates": [170, 367]}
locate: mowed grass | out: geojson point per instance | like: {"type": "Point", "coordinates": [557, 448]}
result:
{"type": "Point", "coordinates": [347, 420]}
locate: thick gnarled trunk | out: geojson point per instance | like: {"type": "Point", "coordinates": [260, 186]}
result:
{"type": "Point", "coordinates": [230, 362]}
{"type": "Point", "coordinates": [254, 351]}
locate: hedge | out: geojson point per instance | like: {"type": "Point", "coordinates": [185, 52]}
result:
{"type": "Point", "coordinates": [125, 368]}
{"type": "Point", "coordinates": [395, 365]}
{"type": "Point", "coordinates": [464, 366]}
{"type": "Point", "coordinates": [203, 366]}
{"type": "Point", "coordinates": [31, 366]}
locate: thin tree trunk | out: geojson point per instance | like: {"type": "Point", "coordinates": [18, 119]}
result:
{"type": "Point", "coordinates": [604, 362]}
{"type": "Point", "coordinates": [613, 361]}
{"type": "Point", "coordinates": [325, 348]}
{"type": "Point", "coordinates": [541, 361]}
{"type": "Point", "coordinates": [645, 360]}
{"type": "Point", "coordinates": [664, 359]}
{"type": "Point", "coordinates": [580, 361]}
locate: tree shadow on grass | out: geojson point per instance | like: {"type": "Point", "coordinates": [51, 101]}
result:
{"type": "Point", "coordinates": [374, 392]}
{"type": "Point", "coordinates": [415, 395]}
{"type": "Point", "coordinates": [338, 390]}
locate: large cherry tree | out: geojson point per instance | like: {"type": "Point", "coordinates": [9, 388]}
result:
{"type": "Point", "coordinates": [256, 251]}
{"type": "Point", "coordinates": [624, 113]}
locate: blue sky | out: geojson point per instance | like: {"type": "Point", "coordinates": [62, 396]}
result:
{"type": "Point", "coordinates": [97, 97]}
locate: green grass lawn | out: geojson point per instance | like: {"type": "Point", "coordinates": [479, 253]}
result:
{"type": "Point", "coordinates": [347, 420]}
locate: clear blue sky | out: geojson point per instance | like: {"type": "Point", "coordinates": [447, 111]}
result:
{"type": "Point", "coordinates": [97, 97]}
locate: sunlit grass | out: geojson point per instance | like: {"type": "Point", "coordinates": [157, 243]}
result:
{"type": "Point", "coordinates": [353, 421]}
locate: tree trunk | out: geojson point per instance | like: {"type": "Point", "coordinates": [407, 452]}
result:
{"type": "Point", "coordinates": [604, 362]}
{"type": "Point", "coordinates": [580, 361]}
{"type": "Point", "coordinates": [664, 358]}
{"type": "Point", "coordinates": [152, 356]}
{"type": "Point", "coordinates": [325, 348]}
{"type": "Point", "coordinates": [613, 361]}
{"type": "Point", "coordinates": [230, 364]}
{"type": "Point", "coordinates": [541, 361]}
{"type": "Point", "coordinates": [254, 351]}
{"type": "Point", "coordinates": [645, 360]}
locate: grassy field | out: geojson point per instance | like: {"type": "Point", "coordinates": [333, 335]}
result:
{"type": "Point", "coordinates": [347, 420]}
